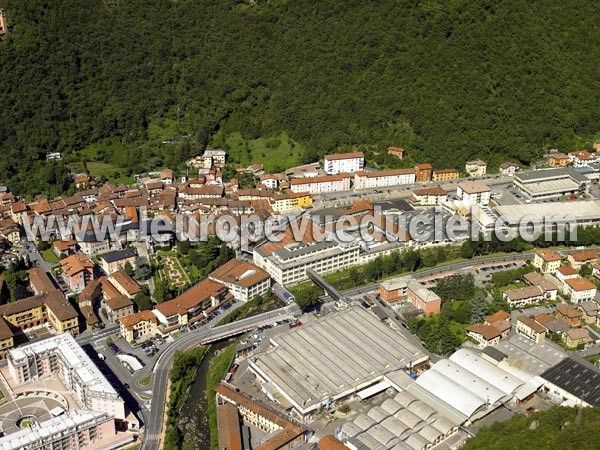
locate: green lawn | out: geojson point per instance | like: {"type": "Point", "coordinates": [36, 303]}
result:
{"type": "Point", "coordinates": [262, 151]}
{"type": "Point", "coordinates": [49, 256]}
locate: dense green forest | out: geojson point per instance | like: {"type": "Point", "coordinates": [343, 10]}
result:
{"type": "Point", "coordinates": [555, 429]}
{"type": "Point", "coordinates": [128, 85]}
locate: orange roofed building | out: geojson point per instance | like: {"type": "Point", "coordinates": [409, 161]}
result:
{"type": "Point", "coordinates": [244, 280]}
{"type": "Point", "coordinates": [192, 305]}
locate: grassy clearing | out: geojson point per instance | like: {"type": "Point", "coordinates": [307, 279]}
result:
{"type": "Point", "coordinates": [275, 154]}
{"type": "Point", "coordinates": [216, 371]}
{"type": "Point", "coordinates": [49, 256]}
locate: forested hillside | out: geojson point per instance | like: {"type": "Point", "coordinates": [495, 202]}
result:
{"type": "Point", "coordinates": [136, 84]}
{"type": "Point", "coordinates": [555, 429]}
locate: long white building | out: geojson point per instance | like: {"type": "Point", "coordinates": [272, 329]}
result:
{"type": "Point", "coordinates": [344, 163]}
{"type": "Point", "coordinates": [383, 178]}
{"type": "Point", "coordinates": [319, 185]}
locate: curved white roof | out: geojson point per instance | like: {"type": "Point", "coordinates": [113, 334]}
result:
{"type": "Point", "coordinates": [404, 398]}
{"type": "Point", "coordinates": [468, 380]}
{"type": "Point", "coordinates": [377, 413]}
{"type": "Point", "coordinates": [381, 434]}
{"type": "Point", "coordinates": [401, 446]}
{"type": "Point", "coordinates": [391, 406]}
{"type": "Point", "coordinates": [364, 422]}
{"type": "Point", "coordinates": [429, 433]}
{"type": "Point", "coordinates": [369, 440]}
{"type": "Point", "coordinates": [497, 377]}
{"type": "Point", "coordinates": [351, 430]}
{"type": "Point", "coordinates": [422, 410]}
{"type": "Point", "coordinates": [407, 417]}
{"type": "Point", "coordinates": [450, 392]}
{"type": "Point", "coordinates": [442, 424]}
{"type": "Point", "coordinates": [395, 426]}
{"type": "Point", "coordinates": [416, 442]}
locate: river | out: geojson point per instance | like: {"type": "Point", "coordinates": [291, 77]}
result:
{"type": "Point", "coordinates": [193, 418]}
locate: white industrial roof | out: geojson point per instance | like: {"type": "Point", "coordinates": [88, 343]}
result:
{"type": "Point", "coordinates": [494, 375]}
{"type": "Point", "coordinates": [450, 392]}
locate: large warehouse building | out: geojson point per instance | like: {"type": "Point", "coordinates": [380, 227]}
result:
{"type": "Point", "coordinates": [346, 353]}
{"type": "Point", "coordinates": [552, 183]}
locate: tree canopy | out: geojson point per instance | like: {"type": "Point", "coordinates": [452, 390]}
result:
{"type": "Point", "coordinates": [140, 84]}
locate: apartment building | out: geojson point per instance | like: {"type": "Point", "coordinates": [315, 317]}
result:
{"type": "Point", "coordinates": [528, 295]}
{"type": "Point", "coordinates": [383, 178]}
{"type": "Point", "coordinates": [474, 193]}
{"type": "Point", "coordinates": [580, 289]}
{"type": "Point", "coordinates": [139, 326]}
{"type": "Point", "coordinates": [445, 175]}
{"type": "Point", "coordinates": [343, 163]}
{"type": "Point", "coordinates": [81, 377]}
{"type": "Point", "coordinates": [579, 259]}
{"type": "Point", "coordinates": [528, 327]}
{"type": "Point", "coordinates": [428, 196]}
{"type": "Point", "coordinates": [547, 261]}
{"type": "Point", "coordinates": [117, 260]}
{"type": "Point", "coordinates": [484, 334]}
{"type": "Point", "coordinates": [244, 280]}
{"type": "Point", "coordinates": [320, 185]}
{"type": "Point", "coordinates": [192, 305]}
{"type": "Point", "coordinates": [78, 271]}
{"type": "Point", "coordinates": [423, 172]}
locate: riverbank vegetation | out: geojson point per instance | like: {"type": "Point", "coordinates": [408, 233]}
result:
{"type": "Point", "coordinates": [216, 372]}
{"type": "Point", "coordinates": [183, 372]}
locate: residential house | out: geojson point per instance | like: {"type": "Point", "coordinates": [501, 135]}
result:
{"type": "Point", "coordinates": [566, 272]}
{"type": "Point", "coordinates": [549, 288]}
{"type": "Point", "coordinates": [67, 247]}
{"type": "Point", "coordinates": [577, 337]}
{"type": "Point", "coordinates": [118, 307]}
{"type": "Point", "coordinates": [484, 334]}
{"type": "Point", "coordinates": [508, 168]}
{"type": "Point", "coordinates": [422, 298]}
{"type": "Point", "coordinates": [520, 297]}
{"type": "Point", "coordinates": [139, 326]}
{"type": "Point", "coordinates": [78, 270]}
{"type": "Point", "coordinates": [18, 212]}
{"type": "Point", "coordinates": [569, 315]}
{"type": "Point", "coordinates": [559, 160]}
{"type": "Point", "coordinates": [244, 280]}
{"type": "Point", "coordinates": [117, 260]}
{"type": "Point", "coordinates": [10, 230]}
{"type": "Point", "coordinates": [476, 168]}
{"type": "Point", "coordinates": [547, 261]}
{"type": "Point", "coordinates": [166, 176]}
{"type": "Point", "coordinates": [580, 289]}
{"type": "Point", "coordinates": [589, 311]}
{"type": "Point", "coordinates": [579, 259]}
{"type": "Point", "coordinates": [528, 327]}
{"type": "Point", "coordinates": [552, 324]}
{"type": "Point", "coordinates": [501, 321]}
{"type": "Point", "coordinates": [398, 152]}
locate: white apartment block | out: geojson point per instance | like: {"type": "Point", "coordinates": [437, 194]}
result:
{"type": "Point", "coordinates": [319, 185]}
{"type": "Point", "coordinates": [344, 163]}
{"type": "Point", "coordinates": [288, 265]}
{"type": "Point", "coordinates": [580, 289]}
{"type": "Point", "coordinates": [63, 357]}
{"type": "Point", "coordinates": [244, 280]}
{"type": "Point", "coordinates": [474, 193]}
{"type": "Point", "coordinates": [383, 178]}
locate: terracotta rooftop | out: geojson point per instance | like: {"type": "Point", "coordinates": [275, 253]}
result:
{"type": "Point", "coordinates": [230, 437]}
{"type": "Point", "coordinates": [330, 442]}
{"type": "Point", "coordinates": [529, 322]}
{"type": "Point", "coordinates": [133, 319]}
{"type": "Point", "coordinates": [548, 255]}
{"type": "Point", "coordinates": [567, 270]}
{"type": "Point", "coordinates": [323, 179]}
{"type": "Point", "coordinates": [568, 311]}
{"type": "Point", "coordinates": [487, 331]}
{"type": "Point", "coordinates": [497, 316]}
{"type": "Point", "coordinates": [39, 280]}
{"type": "Point", "coordinates": [338, 156]}
{"type": "Point", "coordinates": [191, 298]}
{"type": "Point", "coordinates": [119, 302]}
{"type": "Point", "coordinates": [126, 282]}
{"type": "Point", "coordinates": [239, 272]}
{"type": "Point", "coordinates": [586, 255]}
{"type": "Point", "coordinates": [580, 284]}
{"type": "Point", "coordinates": [435, 190]}
{"type": "Point", "coordinates": [74, 264]}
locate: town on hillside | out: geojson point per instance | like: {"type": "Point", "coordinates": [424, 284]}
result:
{"type": "Point", "coordinates": [378, 341]}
